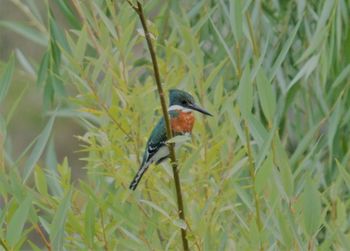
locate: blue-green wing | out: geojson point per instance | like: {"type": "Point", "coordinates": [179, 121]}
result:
{"type": "Point", "coordinates": [157, 139]}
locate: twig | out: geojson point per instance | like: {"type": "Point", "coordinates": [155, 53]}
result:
{"type": "Point", "coordinates": [252, 175]}
{"type": "Point", "coordinates": [2, 151]}
{"type": "Point", "coordinates": [105, 245]}
{"type": "Point", "coordinates": [251, 32]}
{"type": "Point", "coordinates": [34, 21]}
{"type": "Point", "coordinates": [4, 245]}
{"type": "Point", "coordinates": [89, 30]}
{"type": "Point", "coordinates": [139, 10]}
{"type": "Point", "coordinates": [42, 236]}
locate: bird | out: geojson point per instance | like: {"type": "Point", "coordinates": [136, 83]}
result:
{"type": "Point", "coordinates": [181, 108]}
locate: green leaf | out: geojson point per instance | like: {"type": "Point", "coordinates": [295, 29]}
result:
{"type": "Point", "coordinates": [40, 181]}
{"type": "Point", "coordinates": [48, 94]}
{"type": "Point", "coordinates": [245, 92]}
{"type": "Point", "coordinates": [130, 235]}
{"type": "Point", "coordinates": [43, 68]}
{"type": "Point", "coordinates": [285, 230]}
{"type": "Point", "coordinates": [51, 164]}
{"type": "Point", "coordinates": [170, 241]}
{"type": "Point", "coordinates": [283, 53]}
{"type": "Point", "coordinates": [311, 207]}
{"type": "Point", "coordinates": [264, 174]}
{"type": "Point", "coordinates": [180, 223]}
{"type": "Point", "coordinates": [344, 174]}
{"type": "Point", "coordinates": [6, 77]}
{"type": "Point", "coordinates": [334, 123]}
{"type": "Point", "coordinates": [106, 20]}
{"type": "Point", "coordinates": [16, 224]}
{"type": "Point", "coordinates": [282, 161]}
{"type": "Point", "coordinates": [3, 132]}
{"type": "Point", "coordinates": [156, 207]}
{"type": "Point", "coordinates": [24, 62]}
{"type": "Point", "coordinates": [214, 74]}
{"type": "Point", "coordinates": [236, 19]}
{"type": "Point", "coordinates": [89, 222]}
{"type": "Point", "coordinates": [304, 144]}
{"type": "Point", "coordinates": [26, 31]}
{"type": "Point", "coordinates": [305, 71]}
{"type": "Point", "coordinates": [219, 92]}
{"type": "Point", "coordinates": [57, 225]}
{"type": "Point", "coordinates": [343, 75]}
{"type": "Point", "coordinates": [266, 95]}
{"type": "Point", "coordinates": [81, 45]}
{"type": "Point", "coordinates": [57, 35]}
{"type": "Point", "coordinates": [15, 104]}
{"type": "Point", "coordinates": [69, 14]}
{"type": "Point", "coordinates": [38, 148]}
{"type": "Point", "coordinates": [226, 47]}
{"type": "Point", "coordinates": [179, 139]}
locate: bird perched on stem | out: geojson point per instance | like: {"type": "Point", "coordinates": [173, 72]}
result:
{"type": "Point", "coordinates": [180, 110]}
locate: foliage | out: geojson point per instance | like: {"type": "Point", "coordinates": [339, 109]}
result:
{"type": "Point", "coordinates": [269, 171]}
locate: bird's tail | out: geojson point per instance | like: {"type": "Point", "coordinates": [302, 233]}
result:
{"type": "Point", "coordinates": [138, 176]}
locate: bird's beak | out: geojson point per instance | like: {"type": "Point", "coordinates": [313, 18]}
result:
{"type": "Point", "coordinates": [199, 109]}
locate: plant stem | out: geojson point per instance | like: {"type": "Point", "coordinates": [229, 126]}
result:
{"type": "Point", "coordinates": [252, 175]}
{"type": "Point", "coordinates": [42, 235]}
{"type": "Point", "coordinates": [105, 244]}
{"type": "Point", "coordinates": [251, 32]}
{"type": "Point", "coordinates": [139, 10]}
{"type": "Point", "coordinates": [4, 245]}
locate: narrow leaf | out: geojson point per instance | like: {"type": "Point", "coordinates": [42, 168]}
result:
{"type": "Point", "coordinates": [16, 224]}
{"type": "Point", "coordinates": [282, 55]}
{"type": "Point", "coordinates": [43, 68]}
{"type": "Point", "coordinates": [6, 78]}
{"type": "Point", "coordinates": [25, 31]}
{"type": "Point", "coordinates": [245, 92]}
{"type": "Point", "coordinates": [156, 207]}
{"type": "Point", "coordinates": [58, 223]}
{"type": "Point", "coordinates": [312, 207]}
{"type": "Point", "coordinates": [38, 149]}
{"type": "Point", "coordinates": [226, 47]}
{"type": "Point", "coordinates": [90, 222]}
{"type": "Point", "coordinates": [267, 96]}
{"type": "Point", "coordinates": [236, 19]}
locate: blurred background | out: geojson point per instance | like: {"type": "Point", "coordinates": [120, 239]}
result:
{"type": "Point", "coordinates": [30, 118]}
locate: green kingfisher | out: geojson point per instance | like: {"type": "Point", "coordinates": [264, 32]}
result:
{"type": "Point", "coordinates": [181, 107]}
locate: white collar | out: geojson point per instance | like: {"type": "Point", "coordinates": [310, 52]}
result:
{"type": "Point", "coordinates": [178, 107]}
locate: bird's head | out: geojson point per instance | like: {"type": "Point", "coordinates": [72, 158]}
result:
{"type": "Point", "coordinates": [180, 100]}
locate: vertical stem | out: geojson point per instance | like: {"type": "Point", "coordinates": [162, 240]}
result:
{"type": "Point", "coordinates": [251, 32]}
{"type": "Point", "coordinates": [4, 245]}
{"type": "Point", "coordinates": [42, 236]}
{"type": "Point", "coordinates": [2, 155]}
{"type": "Point", "coordinates": [105, 245]}
{"type": "Point", "coordinates": [181, 213]}
{"type": "Point", "coordinates": [252, 175]}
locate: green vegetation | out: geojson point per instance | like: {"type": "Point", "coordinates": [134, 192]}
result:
{"type": "Point", "coordinates": [270, 170]}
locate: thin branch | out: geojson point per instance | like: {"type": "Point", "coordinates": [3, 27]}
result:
{"type": "Point", "coordinates": [42, 236]}
{"type": "Point", "coordinates": [105, 242]}
{"type": "Point", "coordinates": [139, 10]}
{"type": "Point", "coordinates": [252, 37]}
{"type": "Point", "coordinates": [105, 108]}
{"type": "Point", "coordinates": [4, 245]}
{"type": "Point", "coordinates": [89, 30]}
{"type": "Point", "coordinates": [34, 21]}
{"type": "Point", "coordinates": [134, 7]}
{"type": "Point", "coordinates": [252, 175]}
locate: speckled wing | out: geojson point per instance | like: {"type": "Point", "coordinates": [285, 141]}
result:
{"type": "Point", "coordinates": [155, 151]}
{"type": "Point", "coordinates": [156, 140]}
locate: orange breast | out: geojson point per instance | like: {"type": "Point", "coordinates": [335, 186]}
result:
{"type": "Point", "coordinates": [183, 123]}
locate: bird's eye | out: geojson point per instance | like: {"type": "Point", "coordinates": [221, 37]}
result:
{"type": "Point", "coordinates": [184, 102]}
